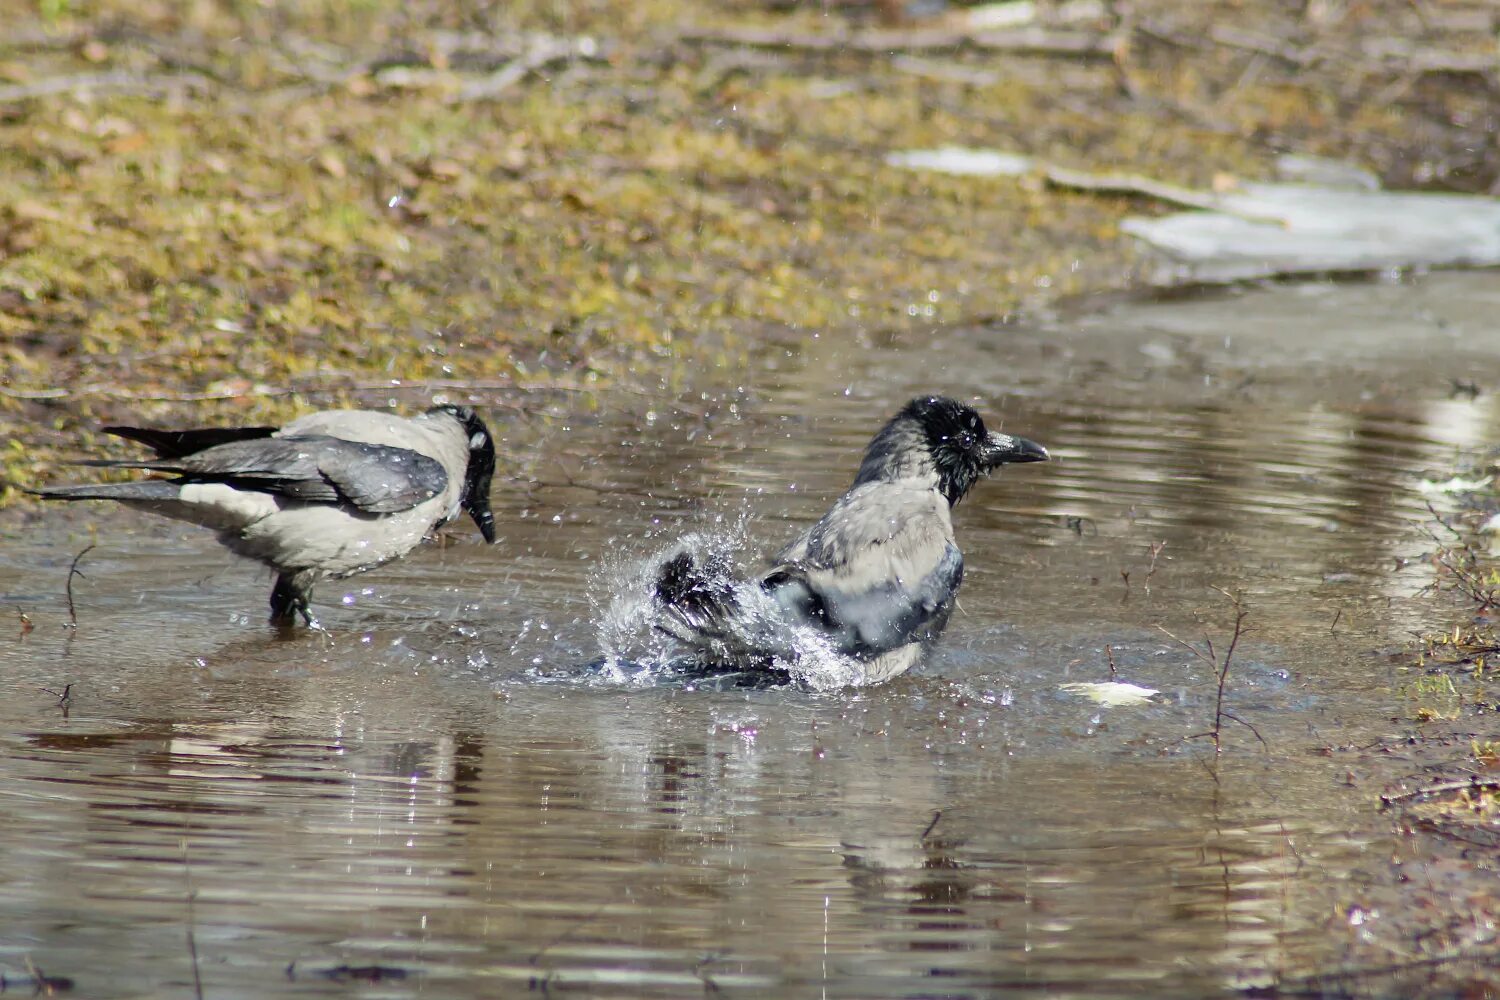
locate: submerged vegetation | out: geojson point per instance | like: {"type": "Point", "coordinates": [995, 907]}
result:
{"type": "Point", "coordinates": [237, 209]}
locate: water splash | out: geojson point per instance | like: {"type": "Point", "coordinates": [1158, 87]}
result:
{"type": "Point", "coordinates": [640, 642]}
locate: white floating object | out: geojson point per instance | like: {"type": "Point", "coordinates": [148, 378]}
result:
{"type": "Point", "coordinates": [1454, 485]}
{"type": "Point", "coordinates": [962, 161]}
{"type": "Point", "coordinates": [1009, 14]}
{"type": "Point", "coordinates": [1114, 694]}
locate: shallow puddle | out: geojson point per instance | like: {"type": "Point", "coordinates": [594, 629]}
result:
{"type": "Point", "coordinates": [435, 801]}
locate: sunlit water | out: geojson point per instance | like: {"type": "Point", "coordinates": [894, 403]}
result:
{"type": "Point", "coordinates": [437, 801]}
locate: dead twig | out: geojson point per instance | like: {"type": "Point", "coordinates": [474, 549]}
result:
{"type": "Point", "coordinates": [1208, 656]}
{"type": "Point", "coordinates": [1473, 783]}
{"type": "Point", "coordinates": [1021, 41]}
{"type": "Point", "coordinates": [936, 816]}
{"type": "Point", "coordinates": [192, 942]}
{"type": "Point", "coordinates": [41, 984]}
{"type": "Point", "coordinates": [64, 697]}
{"type": "Point", "coordinates": [1426, 962]}
{"type": "Point", "coordinates": [1155, 549]}
{"type": "Point", "coordinates": [1109, 652]}
{"type": "Point", "coordinates": [544, 983]}
{"type": "Point", "coordinates": [1443, 521]}
{"type": "Point", "coordinates": [701, 971]}
{"type": "Point", "coordinates": [72, 572]}
{"type": "Point", "coordinates": [118, 82]}
{"type": "Point", "coordinates": [543, 52]}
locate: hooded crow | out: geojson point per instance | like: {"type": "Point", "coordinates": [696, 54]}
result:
{"type": "Point", "coordinates": [330, 494]}
{"type": "Point", "coordinates": [875, 578]}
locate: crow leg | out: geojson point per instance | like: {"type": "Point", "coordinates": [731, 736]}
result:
{"type": "Point", "coordinates": [291, 597]}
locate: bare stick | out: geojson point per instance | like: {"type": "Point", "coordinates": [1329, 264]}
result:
{"type": "Point", "coordinates": [1474, 783]}
{"type": "Point", "coordinates": [116, 82]}
{"type": "Point", "coordinates": [72, 572]}
{"type": "Point", "coordinates": [931, 826]}
{"type": "Point", "coordinates": [41, 985]}
{"type": "Point", "coordinates": [1239, 630]}
{"type": "Point", "coordinates": [192, 942]}
{"type": "Point", "coordinates": [1109, 652]}
{"type": "Point", "coordinates": [1030, 41]}
{"type": "Point", "coordinates": [1207, 655]}
{"type": "Point", "coordinates": [1200, 654]}
{"type": "Point", "coordinates": [1441, 520]}
{"type": "Point", "coordinates": [542, 54]}
{"type": "Point", "coordinates": [1155, 550]}
{"type": "Point", "coordinates": [64, 697]}
{"type": "Point", "coordinates": [1254, 732]}
{"type": "Point", "coordinates": [1475, 955]}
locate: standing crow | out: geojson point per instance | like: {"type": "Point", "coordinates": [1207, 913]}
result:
{"type": "Point", "coordinates": [330, 494]}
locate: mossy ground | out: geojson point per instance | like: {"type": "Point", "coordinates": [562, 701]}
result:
{"type": "Point", "coordinates": [281, 205]}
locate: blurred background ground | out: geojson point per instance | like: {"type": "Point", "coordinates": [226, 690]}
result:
{"type": "Point", "coordinates": [216, 210]}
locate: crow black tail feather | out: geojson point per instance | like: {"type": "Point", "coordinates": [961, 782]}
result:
{"type": "Point", "coordinates": [143, 490]}
{"type": "Point", "coordinates": [176, 444]}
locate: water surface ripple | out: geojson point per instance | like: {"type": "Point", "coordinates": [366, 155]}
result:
{"type": "Point", "coordinates": [434, 801]}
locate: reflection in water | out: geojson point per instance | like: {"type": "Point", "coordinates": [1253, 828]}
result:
{"type": "Point", "coordinates": [433, 790]}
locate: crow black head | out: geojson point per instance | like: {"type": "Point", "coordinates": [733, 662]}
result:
{"type": "Point", "coordinates": [938, 436]}
{"type": "Point", "coordinates": [475, 497]}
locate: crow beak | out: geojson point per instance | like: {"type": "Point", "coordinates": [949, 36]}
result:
{"type": "Point", "coordinates": [479, 509]}
{"type": "Point", "coordinates": [1002, 449]}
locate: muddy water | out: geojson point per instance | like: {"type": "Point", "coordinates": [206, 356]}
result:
{"type": "Point", "coordinates": [434, 802]}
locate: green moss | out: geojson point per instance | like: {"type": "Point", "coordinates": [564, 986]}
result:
{"type": "Point", "coordinates": [646, 213]}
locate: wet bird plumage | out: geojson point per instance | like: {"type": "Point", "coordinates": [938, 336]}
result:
{"type": "Point", "coordinates": [331, 494]}
{"type": "Point", "coordinates": [875, 578]}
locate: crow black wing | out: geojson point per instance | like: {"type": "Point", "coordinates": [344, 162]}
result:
{"type": "Point", "coordinates": [880, 570]}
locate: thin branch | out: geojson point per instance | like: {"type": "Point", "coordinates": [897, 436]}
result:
{"type": "Point", "coordinates": [72, 572]}
{"type": "Point", "coordinates": [1474, 783]}
{"type": "Point", "coordinates": [118, 82]}
{"type": "Point", "coordinates": [192, 941]}
{"type": "Point", "coordinates": [1250, 726]}
{"type": "Point", "coordinates": [1444, 522]}
{"type": "Point", "coordinates": [1025, 41]}
{"type": "Point", "coordinates": [1221, 667]}
{"type": "Point", "coordinates": [544, 52]}
{"type": "Point", "coordinates": [1477, 955]}
{"type": "Point", "coordinates": [931, 826]}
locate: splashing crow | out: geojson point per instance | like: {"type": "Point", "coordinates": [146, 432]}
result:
{"type": "Point", "coordinates": [329, 495]}
{"type": "Point", "coordinates": [865, 592]}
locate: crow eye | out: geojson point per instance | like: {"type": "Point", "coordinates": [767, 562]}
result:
{"type": "Point", "coordinates": [966, 440]}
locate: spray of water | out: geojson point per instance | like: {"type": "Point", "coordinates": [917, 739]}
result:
{"type": "Point", "coordinates": [636, 635]}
